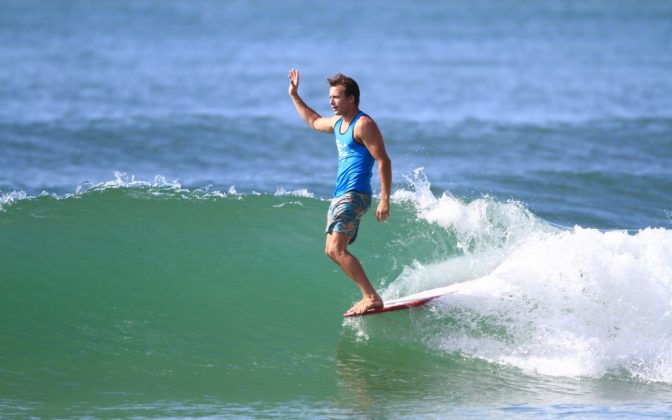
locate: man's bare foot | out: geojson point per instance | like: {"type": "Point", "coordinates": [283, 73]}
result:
{"type": "Point", "coordinates": [365, 305]}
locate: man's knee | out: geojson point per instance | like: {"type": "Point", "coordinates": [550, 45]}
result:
{"type": "Point", "coordinates": [335, 252]}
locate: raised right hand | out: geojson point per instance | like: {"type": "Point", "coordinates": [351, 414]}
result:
{"type": "Point", "coordinates": [293, 82]}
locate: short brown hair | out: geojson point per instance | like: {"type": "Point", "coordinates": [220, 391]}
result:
{"type": "Point", "coordinates": [351, 87]}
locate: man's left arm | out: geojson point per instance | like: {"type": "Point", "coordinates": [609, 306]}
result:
{"type": "Point", "coordinates": [368, 133]}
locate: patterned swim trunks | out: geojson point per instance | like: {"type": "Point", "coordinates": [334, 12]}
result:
{"type": "Point", "coordinates": [346, 211]}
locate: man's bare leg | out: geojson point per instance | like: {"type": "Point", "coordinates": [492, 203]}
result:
{"type": "Point", "coordinates": [337, 249]}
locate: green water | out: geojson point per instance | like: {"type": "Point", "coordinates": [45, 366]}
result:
{"type": "Point", "coordinates": [119, 294]}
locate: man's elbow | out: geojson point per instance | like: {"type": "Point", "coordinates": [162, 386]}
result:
{"type": "Point", "coordinates": [312, 122]}
{"type": "Point", "coordinates": [385, 162]}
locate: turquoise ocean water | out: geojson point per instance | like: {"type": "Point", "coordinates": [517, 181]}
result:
{"type": "Point", "coordinates": [162, 210]}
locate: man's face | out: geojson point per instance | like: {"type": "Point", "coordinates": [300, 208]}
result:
{"type": "Point", "coordinates": [340, 103]}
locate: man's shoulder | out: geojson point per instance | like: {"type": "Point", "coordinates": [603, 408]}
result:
{"type": "Point", "coordinates": [365, 123]}
{"type": "Point", "coordinates": [366, 129]}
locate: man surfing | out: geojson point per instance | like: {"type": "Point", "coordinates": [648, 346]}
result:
{"type": "Point", "coordinates": [359, 144]}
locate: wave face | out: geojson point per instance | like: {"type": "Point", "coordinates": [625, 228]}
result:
{"type": "Point", "coordinates": [128, 291]}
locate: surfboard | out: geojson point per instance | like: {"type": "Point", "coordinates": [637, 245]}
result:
{"type": "Point", "coordinates": [410, 301]}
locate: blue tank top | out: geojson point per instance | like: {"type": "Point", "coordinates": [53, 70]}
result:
{"type": "Point", "coordinates": [355, 163]}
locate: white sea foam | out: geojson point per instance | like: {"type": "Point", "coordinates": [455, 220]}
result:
{"type": "Point", "coordinates": [159, 186]}
{"type": "Point", "coordinates": [555, 301]}
{"type": "Point", "coordinates": [294, 193]}
{"type": "Point", "coordinates": [572, 303]}
{"type": "Point", "coordinates": [479, 225]}
{"type": "Point", "coordinates": [122, 180]}
{"type": "Point", "coordinates": [12, 197]}
{"type": "Point", "coordinates": [578, 303]}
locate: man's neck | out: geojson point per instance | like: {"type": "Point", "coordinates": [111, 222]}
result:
{"type": "Point", "coordinates": [348, 117]}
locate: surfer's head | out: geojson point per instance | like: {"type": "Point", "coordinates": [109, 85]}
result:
{"type": "Point", "coordinates": [351, 87]}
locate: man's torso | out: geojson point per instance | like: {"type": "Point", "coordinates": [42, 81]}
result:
{"type": "Point", "coordinates": [355, 163]}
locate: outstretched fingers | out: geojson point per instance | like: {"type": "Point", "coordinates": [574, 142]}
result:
{"type": "Point", "coordinates": [293, 80]}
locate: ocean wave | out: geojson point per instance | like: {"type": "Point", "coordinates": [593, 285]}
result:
{"type": "Point", "coordinates": [480, 224]}
{"type": "Point", "coordinates": [160, 186]}
{"type": "Point", "coordinates": [545, 299]}
{"type": "Point", "coordinates": [541, 298]}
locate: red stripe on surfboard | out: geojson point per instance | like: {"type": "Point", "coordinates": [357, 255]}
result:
{"type": "Point", "coordinates": [400, 306]}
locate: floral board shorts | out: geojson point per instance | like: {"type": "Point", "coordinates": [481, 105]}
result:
{"type": "Point", "coordinates": [346, 211]}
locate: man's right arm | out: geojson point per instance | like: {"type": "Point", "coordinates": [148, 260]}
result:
{"type": "Point", "coordinates": [313, 119]}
